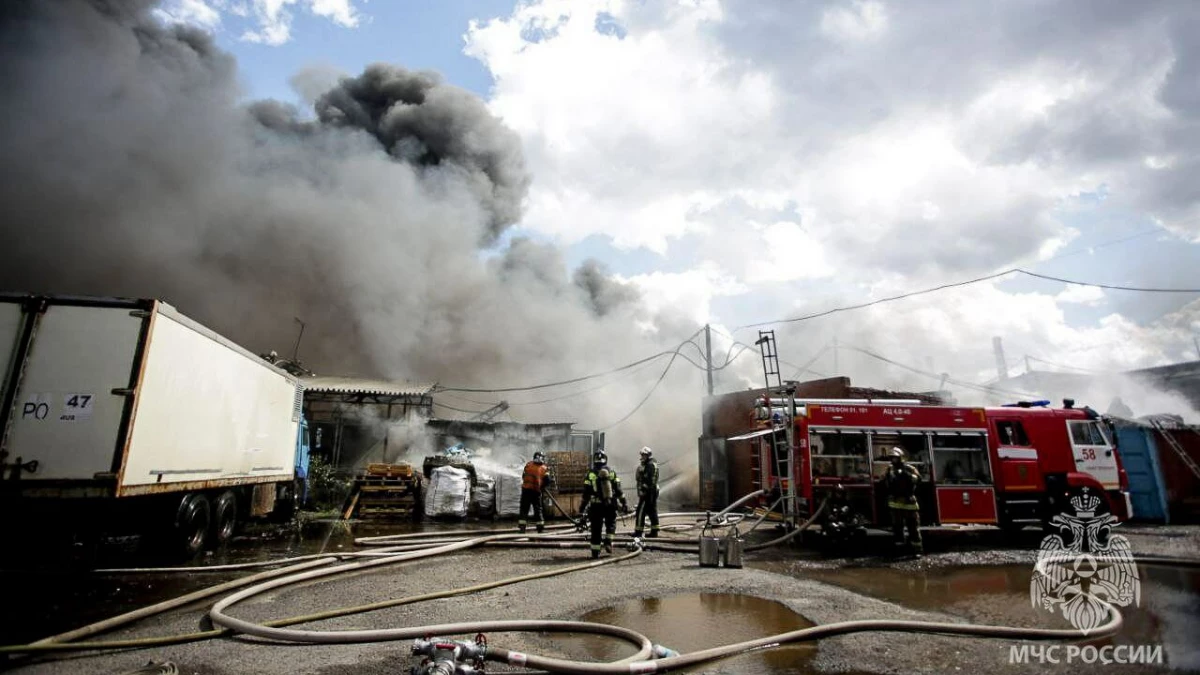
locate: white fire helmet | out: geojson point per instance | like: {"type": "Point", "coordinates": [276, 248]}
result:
{"type": "Point", "coordinates": [647, 453]}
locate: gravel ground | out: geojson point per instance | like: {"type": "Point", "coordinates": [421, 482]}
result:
{"type": "Point", "coordinates": [933, 588]}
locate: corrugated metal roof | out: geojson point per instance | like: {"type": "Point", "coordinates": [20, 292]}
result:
{"type": "Point", "coordinates": [355, 385]}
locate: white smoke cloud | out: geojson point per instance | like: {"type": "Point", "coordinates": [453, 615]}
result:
{"type": "Point", "coordinates": [829, 153]}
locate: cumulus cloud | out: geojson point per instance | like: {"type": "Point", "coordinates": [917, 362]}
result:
{"type": "Point", "coordinates": [823, 153]}
{"type": "Point", "coordinates": [269, 21]}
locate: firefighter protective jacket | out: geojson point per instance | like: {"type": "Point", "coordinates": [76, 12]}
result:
{"type": "Point", "coordinates": [647, 478]}
{"type": "Point", "coordinates": [902, 486]}
{"type": "Point", "coordinates": [535, 477]}
{"type": "Point", "coordinates": [602, 485]}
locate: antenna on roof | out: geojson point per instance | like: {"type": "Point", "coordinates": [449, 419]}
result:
{"type": "Point", "coordinates": [296, 349]}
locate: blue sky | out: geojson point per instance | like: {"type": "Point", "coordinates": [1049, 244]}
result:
{"type": "Point", "coordinates": [415, 34]}
{"type": "Point", "coordinates": [550, 80]}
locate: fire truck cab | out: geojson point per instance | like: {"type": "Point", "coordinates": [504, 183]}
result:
{"type": "Point", "coordinates": [1009, 466]}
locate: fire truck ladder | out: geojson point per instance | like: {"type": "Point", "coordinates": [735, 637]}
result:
{"type": "Point", "coordinates": [1179, 449]}
{"type": "Point", "coordinates": [770, 359]}
{"type": "Point", "coordinates": [782, 450]}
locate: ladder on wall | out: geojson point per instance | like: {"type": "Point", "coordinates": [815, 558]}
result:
{"type": "Point", "coordinates": [1179, 449]}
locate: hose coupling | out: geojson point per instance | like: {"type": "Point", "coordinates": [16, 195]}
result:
{"type": "Point", "coordinates": [449, 657]}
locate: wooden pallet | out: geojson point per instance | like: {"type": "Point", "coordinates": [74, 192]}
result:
{"type": "Point", "coordinates": [384, 491]}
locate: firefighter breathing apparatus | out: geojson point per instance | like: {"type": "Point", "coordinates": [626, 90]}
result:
{"type": "Point", "coordinates": [444, 656]}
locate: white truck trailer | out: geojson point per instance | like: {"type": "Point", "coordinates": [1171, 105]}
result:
{"type": "Point", "coordinates": [124, 414]}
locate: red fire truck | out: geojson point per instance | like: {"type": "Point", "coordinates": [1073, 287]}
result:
{"type": "Point", "coordinates": [1009, 466]}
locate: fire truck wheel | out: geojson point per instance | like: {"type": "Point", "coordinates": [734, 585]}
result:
{"type": "Point", "coordinates": [192, 525]}
{"type": "Point", "coordinates": [226, 517]}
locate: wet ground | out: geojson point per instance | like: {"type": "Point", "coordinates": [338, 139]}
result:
{"type": "Point", "coordinates": [694, 621]}
{"type": "Point", "coordinates": [972, 575]}
{"type": "Point", "coordinates": [47, 592]}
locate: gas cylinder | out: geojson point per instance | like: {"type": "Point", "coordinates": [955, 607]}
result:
{"type": "Point", "coordinates": [733, 548]}
{"type": "Point", "coordinates": [710, 547]}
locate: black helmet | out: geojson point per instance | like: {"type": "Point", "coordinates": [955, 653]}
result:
{"type": "Point", "coordinates": [539, 458]}
{"type": "Point", "coordinates": [600, 458]}
{"type": "Point", "coordinates": [839, 489]}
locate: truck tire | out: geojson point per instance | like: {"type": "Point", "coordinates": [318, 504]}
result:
{"type": "Point", "coordinates": [225, 518]}
{"type": "Point", "coordinates": [285, 502]}
{"type": "Point", "coordinates": [192, 525]}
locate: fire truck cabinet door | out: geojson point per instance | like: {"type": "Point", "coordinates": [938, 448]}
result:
{"type": "Point", "coordinates": [1093, 454]}
{"type": "Point", "coordinates": [966, 504]}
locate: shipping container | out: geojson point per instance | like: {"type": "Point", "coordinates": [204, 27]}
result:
{"type": "Point", "coordinates": [111, 400]}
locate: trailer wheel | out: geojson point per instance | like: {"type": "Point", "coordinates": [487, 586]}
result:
{"type": "Point", "coordinates": [226, 512]}
{"type": "Point", "coordinates": [192, 525]}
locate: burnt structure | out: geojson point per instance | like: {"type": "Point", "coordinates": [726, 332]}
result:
{"type": "Point", "coordinates": [352, 421]}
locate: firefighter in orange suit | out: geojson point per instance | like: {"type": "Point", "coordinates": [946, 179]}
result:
{"type": "Point", "coordinates": [534, 480]}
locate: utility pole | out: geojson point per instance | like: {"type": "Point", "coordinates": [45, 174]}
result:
{"type": "Point", "coordinates": [708, 356]}
{"type": "Point", "coordinates": [1001, 364]}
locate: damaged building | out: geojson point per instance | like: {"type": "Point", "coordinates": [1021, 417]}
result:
{"type": "Point", "coordinates": [354, 421]}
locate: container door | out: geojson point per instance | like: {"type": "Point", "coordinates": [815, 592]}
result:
{"type": "Point", "coordinates": [1139, 455]}
{"type": "Point", "coordinates": [1093, 452]}
{"type": "Point", "coordinates": [65, 415]}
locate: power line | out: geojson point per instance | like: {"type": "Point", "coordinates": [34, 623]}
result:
{"type": "Point", "coordinates": [650, 393]}
{"type": "Point", "coordinates": [1062, 365]}
{"type": "Point", "coordinates": [864, 305]}
{"type": "Point", "coordinates": [1110, 287]}
{"type": "Point", "coordinates": [673, 353]}
{"type": "Point", "coordinates": [570, 395]}
{"type": "Point", "coordinates": [969, 385]}
{"type": "Point", "coordinates": [968, 282]}
{"type": "Point", "coordinates": [1103, 244]}
{"type": "Point", "coordinates": [468, 400]}
{"type": "Point", "coordinates": [799, 369]}
{"type": "Point", "coordinates": [450, 407]}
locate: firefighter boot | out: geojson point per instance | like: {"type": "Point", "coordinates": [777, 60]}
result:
{"type": "Point", "coordinates": [541, 527]}
{"type": "Point", "coordinates": [608, 545]}
{"type": "Point", "coordinates": [521, 527]}
{"type": "Point", "coordinates": [653, 532]}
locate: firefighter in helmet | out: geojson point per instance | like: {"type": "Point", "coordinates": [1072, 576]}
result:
{"type": "Point", "coordinates": [647, 491]}
{"type": "Point", "coordinates": [840, 523]}
{"type": "Point", "coordinates": [534, 480]}
{"type": "Point", "coordinates": [602, 496]}
{"type": "Point", "coordinates": [901, 480]}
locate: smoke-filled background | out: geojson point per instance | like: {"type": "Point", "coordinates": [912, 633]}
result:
{"type": "Point", "coordinates": [131, 167]}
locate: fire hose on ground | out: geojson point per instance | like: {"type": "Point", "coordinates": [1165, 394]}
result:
{"type": "Point", "coordinates": [418, 546]}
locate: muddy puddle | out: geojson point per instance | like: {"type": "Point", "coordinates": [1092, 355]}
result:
{"type": "Point", "coordinates": [1168, 612]}
{"type": "Point", "coordinates": [693, 621]}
